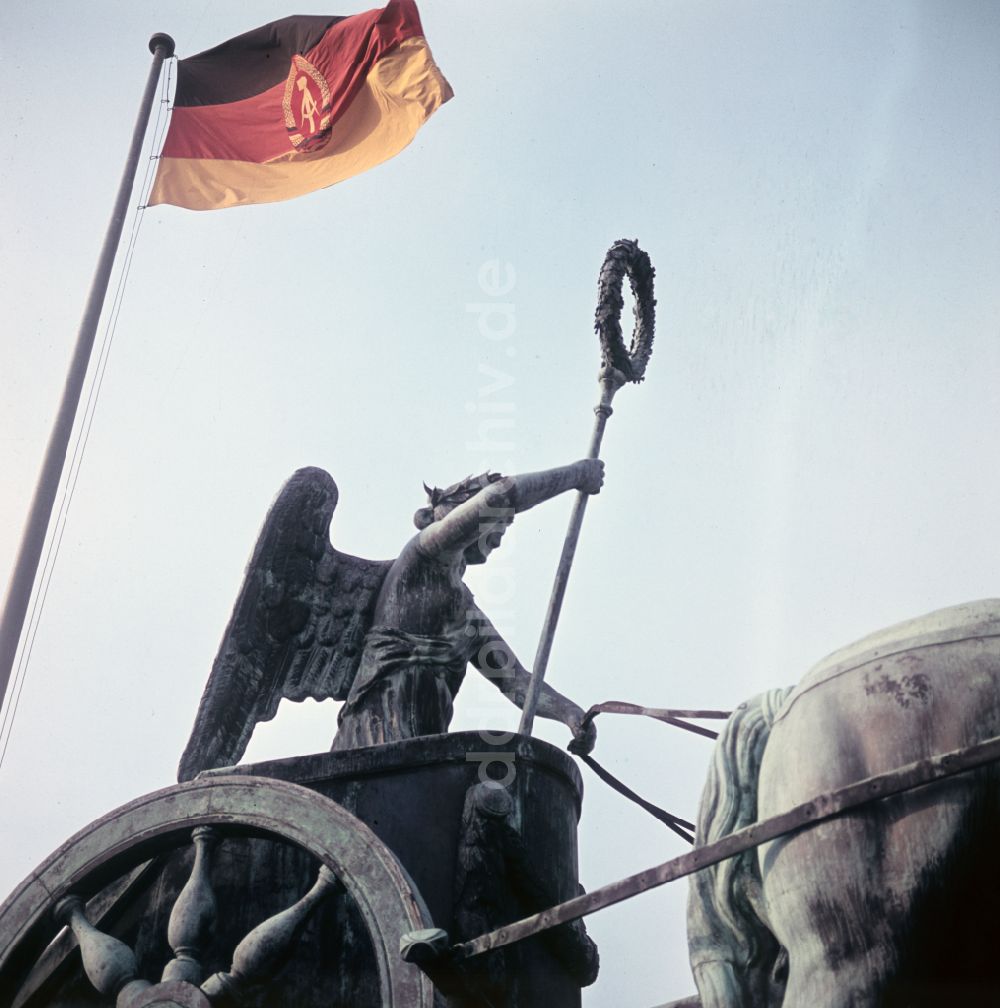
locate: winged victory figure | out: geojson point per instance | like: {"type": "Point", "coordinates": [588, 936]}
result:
{"type": "Point", "coordinates": [391, 638]}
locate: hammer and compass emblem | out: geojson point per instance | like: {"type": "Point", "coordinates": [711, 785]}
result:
{"type": "Point", "coordinates": [307, 106]}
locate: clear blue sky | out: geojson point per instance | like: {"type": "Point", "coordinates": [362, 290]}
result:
{"type": "Point", "coordinates": [811, 457]}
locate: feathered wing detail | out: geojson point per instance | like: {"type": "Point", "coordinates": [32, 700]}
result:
{"type": "Point", "coordinates": [297, 627]}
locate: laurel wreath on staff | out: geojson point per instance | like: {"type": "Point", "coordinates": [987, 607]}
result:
{"type": "Point", "coordinates": [625, 257]}
{"type": "Point", "coordinates": [618, 366]}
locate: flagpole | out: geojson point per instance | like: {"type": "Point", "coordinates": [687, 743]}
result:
{"type": "Point", "coordinates": [22, 579]}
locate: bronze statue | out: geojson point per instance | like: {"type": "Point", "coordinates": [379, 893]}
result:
{"type": "Point", "coordinates": [390, 638]}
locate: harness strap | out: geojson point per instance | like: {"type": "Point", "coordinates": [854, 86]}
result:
{"type": "Point", "coordinates": [667, 715]}
{"type": "Point", "coordinates": [675, 823]}
{"type": "Point", "coordinates": [681, 827]}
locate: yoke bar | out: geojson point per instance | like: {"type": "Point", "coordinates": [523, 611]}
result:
{"type": "Point", "coordinates": [893, 782]}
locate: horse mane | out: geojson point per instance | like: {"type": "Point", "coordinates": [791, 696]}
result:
{"type": "Point", "coordinates": [732, 951]}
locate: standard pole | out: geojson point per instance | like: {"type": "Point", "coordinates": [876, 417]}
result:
{"type": "Point", "coordinates": [33, 538]}
{"type": "Point", "coordinates": [611, 381]}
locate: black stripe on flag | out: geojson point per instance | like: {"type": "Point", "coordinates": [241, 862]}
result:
{"type": "Point", "coordinates": [250, 63]}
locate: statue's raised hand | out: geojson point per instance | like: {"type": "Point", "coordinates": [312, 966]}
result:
{"type": "Point", "coordinates": [590, 475]}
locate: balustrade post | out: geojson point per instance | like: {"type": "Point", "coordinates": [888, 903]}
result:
{"type": "Point", "coordinates": [109, 963]}
{"type": "Point", "coordinates": [194, 913]}
{"type": "Point", "coordinates": [268, 946]}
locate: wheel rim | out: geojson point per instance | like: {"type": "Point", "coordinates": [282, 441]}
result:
{"type": "Point", "coordinates": [373, 877]}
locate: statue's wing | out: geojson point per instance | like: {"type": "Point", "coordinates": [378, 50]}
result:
{"type": "Point", "coordinates": [297, 628]}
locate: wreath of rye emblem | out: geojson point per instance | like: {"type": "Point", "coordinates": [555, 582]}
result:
{"type": "Point", "coordinates": [307, 106]}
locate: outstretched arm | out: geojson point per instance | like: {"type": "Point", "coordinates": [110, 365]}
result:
{"type": "Point", "coordinates": [495, 659]}
{"type": "Point", "coordinates": [494, 506]}
{"type": "Point", "coordinates": [533, 488]}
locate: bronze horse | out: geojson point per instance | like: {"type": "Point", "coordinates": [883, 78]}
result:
{"type": "Point", "coordinates": [889, 905]}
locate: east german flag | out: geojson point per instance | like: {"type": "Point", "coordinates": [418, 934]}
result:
{"type": "Point", "coordinates": [296, 105]}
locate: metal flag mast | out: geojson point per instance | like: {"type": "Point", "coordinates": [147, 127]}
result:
{"type": "Point", "coordinates": [33, 538]}
{"type": "Point", "coordinates": [618, 367]}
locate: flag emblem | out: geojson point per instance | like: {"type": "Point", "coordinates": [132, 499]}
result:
{"type": "Point", "coordinates": [307, 106]}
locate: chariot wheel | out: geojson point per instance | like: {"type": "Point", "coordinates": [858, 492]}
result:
{"type": "Point", "coordinates": [204, 811]}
